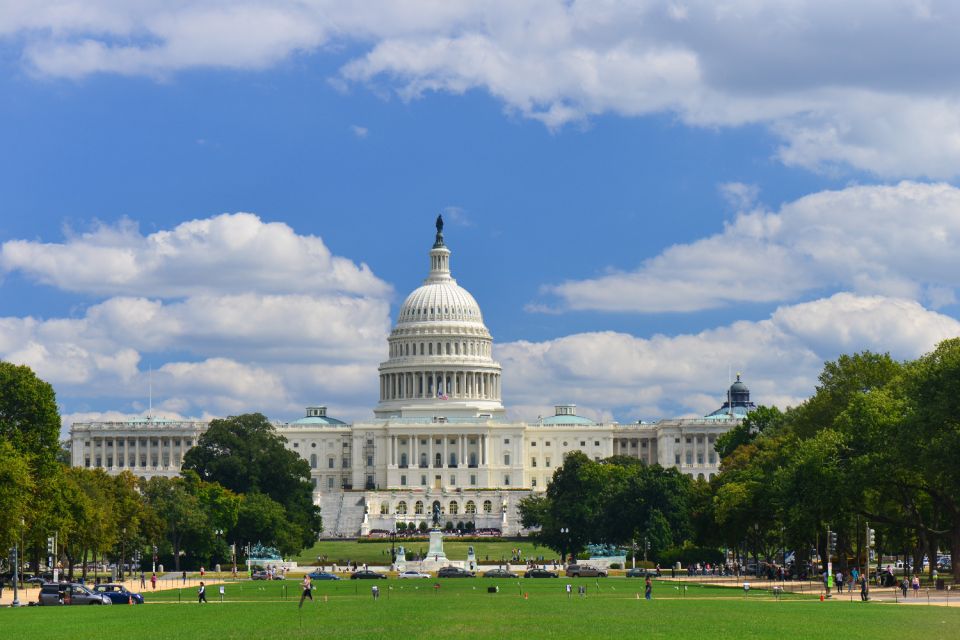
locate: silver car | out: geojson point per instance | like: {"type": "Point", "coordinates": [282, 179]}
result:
{"type": "Point", "coordinates": [54, 593]}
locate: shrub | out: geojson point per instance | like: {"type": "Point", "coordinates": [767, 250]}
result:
{"type": "Point", "coordinates": [401, 526]}
{"type": "Point", "coordinates": [460, 526]}
{"type": "Point", "coordinates": [423, 526]}
{"type": "Point", "coordinates": [448, 526]}
{"type": "Point", "coordinates": [615, 565]}
{"type": "Point", "coordinates": [689, 554]}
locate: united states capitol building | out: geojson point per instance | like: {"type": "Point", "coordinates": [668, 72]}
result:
{"type": "Point", "coordinates": [439, 432]}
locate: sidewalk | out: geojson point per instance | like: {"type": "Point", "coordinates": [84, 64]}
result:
{"type": "Point", "coordinates": [32, 592]}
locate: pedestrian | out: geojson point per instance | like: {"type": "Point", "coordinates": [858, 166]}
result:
{"type": "Point", "coordinates": [839, 581]}
{"type": "Point", "coordinates": [904, 586]}
{"type": "Point", "coordinates": [153, 581]}
{"type": "Point", "coordinates": [201, 593]}
{"type": "Point", "coordinates": [916, 586]}
{"type": "Point", "coordinates": [863, 588]}
{"type": "Point", "coordinates": [307, 589]}
{"type": "Point", "coordinates": [143, 582]}
{"type": "Point", "coordinates": [202, 572]}
{"type": "Point", "coordinates": [184, 576]}
{"type": "Point", "coordinates": [375, 591]}
{"type": "Point", "coordinates": [648, 589]}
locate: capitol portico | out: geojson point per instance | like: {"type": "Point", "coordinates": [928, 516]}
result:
{"type": "Point", "coordinates": [439, 432]}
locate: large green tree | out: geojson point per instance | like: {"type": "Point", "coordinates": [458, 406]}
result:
{"type": "Point", "coordinates": [246, 455]}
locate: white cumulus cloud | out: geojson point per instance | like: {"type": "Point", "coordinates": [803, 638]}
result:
{"type": "Point", "coordinates": [611, 373]}
{"type": "Point", "coordinates": [898, 240]}
{"type": "Point", "coordinates": [867, 83]}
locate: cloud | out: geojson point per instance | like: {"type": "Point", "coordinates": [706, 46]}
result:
{"type": "Point", "coordinates": [360, 132]}
{"type": "Point", "coordinates": [457, 216]}
{"type": "Point", "coordinates": [866, 84]}
{"type": "Point", "coordinates": [243, 316]}
{"type": "Point", "coordinates": [664, 376]}
{"type": "Point", "coordinates": [865, 239]}
{"type": "Point", "coordinates": [226, 253]}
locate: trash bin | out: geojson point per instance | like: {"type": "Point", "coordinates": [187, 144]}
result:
{"type": "Point", "coordinates": [940, 584]}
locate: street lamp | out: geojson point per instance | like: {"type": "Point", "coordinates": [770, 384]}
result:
{"type": "Point", "coordinates": [565, 534]}
{"type": "Point", "coordinates": [219, 534]}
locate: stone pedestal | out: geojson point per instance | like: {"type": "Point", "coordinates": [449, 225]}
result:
{"type": "Point", "coordinates": [436, 554]}
{"type": "Point", "coordinates": [471, 559]}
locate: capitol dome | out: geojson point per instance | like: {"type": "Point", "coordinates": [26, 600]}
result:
{"type": "Point", "coordinates": [440, 352]}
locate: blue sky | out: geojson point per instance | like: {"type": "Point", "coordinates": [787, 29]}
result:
{"type": "Point", "coordinates": [639, 200]}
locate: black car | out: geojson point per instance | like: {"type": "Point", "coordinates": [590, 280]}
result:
{"type": "Point", "coordinates": [539, 573]}
{"type": "Point", "coordinates": [323, 575]}
{"type": "Point", "coordinates": [454, 572]}
{"type": "Point", "coordinates": [500, 573]}
{"type": "Point", "coordinates": [641, 573]}
{"type": "Point", "coordinates": [118, 593]}
{"type": "Point", "coordinates": [367, 574]}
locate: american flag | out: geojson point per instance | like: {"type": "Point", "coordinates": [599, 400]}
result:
{"type": "Point", "coordinates": [442, 394]}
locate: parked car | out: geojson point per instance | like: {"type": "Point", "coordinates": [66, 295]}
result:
{"type": "Point", "coordinates": [500, 573]}
{"type": "Point", "coordinates": [539, 573]}
{"type": "Point", "coordinates": [54, 593]}
{"type": "Point", "coordinates": [259, 575]}
{"type": "Point", "coordinates": [454, 572]}
{"type": "Point", "coordinates": [584, 571]}
{"type": "Point", "coordinates": [413, 574]}
{"type": "Point", "coordinates": [118, 593]}
{"type": "Point", "coordinates": [323, 575]}
{"type": "Point", "coordinates": [367, 574]}
{"type": "Point", "coordinates": [639, 572]}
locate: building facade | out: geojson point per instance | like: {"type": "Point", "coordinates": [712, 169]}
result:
{"type": "Point", "coordinates": [439, 434]}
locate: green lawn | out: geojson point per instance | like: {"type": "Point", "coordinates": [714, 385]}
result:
{"type": "Point", "coordinates": [378, 553]}
{"type": "Point", "coordinates": [464, 609]}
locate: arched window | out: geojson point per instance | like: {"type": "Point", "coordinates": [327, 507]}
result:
{"type": "Point", "coordinates": [438, 460]}
{"type": "Point", "coordinates": [454, 508]}
{"type": "Point", "coordinates": [453, 459]}
{"type": "Point", "coordinates": [403, 460]}
{"type": "Point", "coordinates": [313, 461]}
{"type": "Point", "coordinates": [699, 476]}
{"type": "Point", "coordinates": [487, 506]}
{"type": "Point", "coordinates": [384, 508]}
{"type": "Point", "coordinates": [430, 350]}
{"type": "Point", "coordinates": [418, 508]}
{"type": "Point", "coordinates": [423, 459]}
{"type": "Point", "coordinates": [471, 507]}
{"type": "Point", "coordinates": [506, 459]}
{"type": "Point", "coordinates": [473, 459]}
{"type": "Point", "coordinates": [401, 508]}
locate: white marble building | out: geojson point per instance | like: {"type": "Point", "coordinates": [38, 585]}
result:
{"type": "Point", "coordinates": [439, 432]}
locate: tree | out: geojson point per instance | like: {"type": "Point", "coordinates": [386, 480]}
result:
{"type": "Point", "coordinates": [246, 455]}
{"type": "Point", "coordinates": [29, 419]}
{"type": "Point", "coordinates": [16, 487]}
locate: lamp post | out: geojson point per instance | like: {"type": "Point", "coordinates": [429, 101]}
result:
{"type": "Point", "coordinates": [219, 534]}
{"type": "Point", "coordinates": [123, 550]}
{"type": "Point", "coordinates": [565, 535]}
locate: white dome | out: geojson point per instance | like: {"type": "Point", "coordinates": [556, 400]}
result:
{"type": "Point", "coordinates": [438, 301]}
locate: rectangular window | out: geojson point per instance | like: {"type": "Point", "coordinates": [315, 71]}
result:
{"type": "Point", "coordinates": [453, 481]}
{"type": "Point", "coordinates": [506, 481]}
{"type": "Point", "coordinates": [533, 462]}
{"type": "Point", "coordinates": [506, 441]}
{"type": "Point", "coordinates": [330, 463]}
{"type": "Point", "coordinates": [473, 480]}
{"type": "Point", "coordinates": [689, 440]}
{"type": "Point", "coordinates": [596, 443]}
{"type": "Point", "coordinates": [86, 462]}
{"type": "Point", "coordinates": [713, 457]}
{"type": "Point", "coordinates": [533, 482]}
{"type": "Point", "coordinates": [676, 441]}
{"type": "Point", "coordinates": [583, 443]}
{"type": "Point", "coordinates": [403, 481]}
{"type": "Point", "coordinates": [345, 462]}
{"type": "Point", "coordinates": [547, 443]}
{"type": "Point", "coordinates": [699, 458]}
{"type": "Point", "coordinates": [370, 442]}
{"type": "Point", "coordinates": [547, 462]}
{"type": "Point", "coordinates": [689, 457]}
{"type": "Point", "coordinates": [676, 458]}
{"type": "Point", "coordinates": [296, 445]}
{"type": "Point", "coordinates": [369, 461]}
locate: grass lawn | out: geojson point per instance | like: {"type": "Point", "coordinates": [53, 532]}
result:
{"type": "Point", "coordinates": [378, 553]}
{"type": "Point", "coordinates": [464, 609]}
